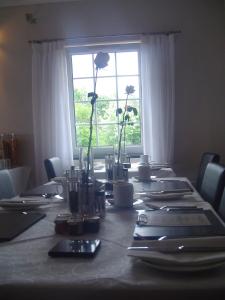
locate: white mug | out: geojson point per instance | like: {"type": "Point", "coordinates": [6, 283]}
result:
{"type": "Point", "coordinates": [123, 194]}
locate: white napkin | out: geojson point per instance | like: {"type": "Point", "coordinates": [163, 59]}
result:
{"type": "Point", "coordinates": [191, 259]}
{"type": "Point", "coordinates": [166, 195]}
{"type": "Point", "coordinates": [18, 200]}
{"type": "Point", "coordinates": [25, 202]}
{"type": "Point", "coordinates": [162, 172]}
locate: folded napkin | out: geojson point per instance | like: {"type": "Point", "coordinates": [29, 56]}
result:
{"type": "Point", "coordinates": [162, 172]}
{"type": "Point", "coordinates": [31, 199]}
{"type": "Point", "coordinates": [166, 195]}
{"type": "Point", "coordinates": [192, 252]}
{"type": "Point", "coordinates": [26, 202]}
{"type": "Point", "coordinates": [162, 165]}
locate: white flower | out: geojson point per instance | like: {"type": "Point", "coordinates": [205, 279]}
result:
{"type": "Point", "coordinates": [101, 60]}
{"type": "Point", "coordinates": [130, 89]}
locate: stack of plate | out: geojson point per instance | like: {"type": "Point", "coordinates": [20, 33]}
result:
{"type": "Point", "coordinates": [188, 254]}
{"type": "Point", "coordinates": [25, 203]}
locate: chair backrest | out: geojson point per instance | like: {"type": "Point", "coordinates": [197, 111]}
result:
{"type": "Point", "coordinates": [206, 158]}
{"type": "Point", "coordinates": [221, 209]}
{"type": "Point", "coordinates": [213, 184]}
{"type": "Point", "coordinates": [6, 185]}
{"type": "Point", "coordinates": [53, 167]}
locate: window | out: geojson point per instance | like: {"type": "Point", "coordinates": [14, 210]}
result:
{"type": "Point", "coordinates": [122, 70]}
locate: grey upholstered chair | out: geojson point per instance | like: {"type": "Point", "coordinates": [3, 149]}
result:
{"type": "Point", "coordinates": [206, 158]}
{"type": "Point", "coordinates": [213, 184]}
{"type": "Point", "coordinates": [221, 209]}
{"type": "Point", "coordinates": [53, 167]}
{"type": "Point", "coordinates": [6, 185]}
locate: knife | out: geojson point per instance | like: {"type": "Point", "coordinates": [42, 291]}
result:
{"type": "Point", "coordinates": [165, 192]}
{"type": "Point", "coordinates": [180, 209]}
{"type": "Point", "coordinates": [44, 195]}
{"type": "Point", "coordinates": [172, 207]}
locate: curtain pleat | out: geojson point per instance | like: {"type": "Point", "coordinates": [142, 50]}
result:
{"type": "Point", "coordinates": [51, 112]}
{"type": "Point", "coordinates": [158, 96]}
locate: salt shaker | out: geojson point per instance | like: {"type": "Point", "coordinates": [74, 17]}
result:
{"type": "Point", "coordinates": [144, 170]}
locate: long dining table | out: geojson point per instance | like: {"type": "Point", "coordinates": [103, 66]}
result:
{"type": "Point", "coordinates": [27, 272]}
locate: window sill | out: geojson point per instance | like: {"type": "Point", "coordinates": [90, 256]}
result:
{"type": "Point", "coordinates": [101, 174]}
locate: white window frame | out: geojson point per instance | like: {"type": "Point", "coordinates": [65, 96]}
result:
{"type": "Point", "coordinates": [100, 152]}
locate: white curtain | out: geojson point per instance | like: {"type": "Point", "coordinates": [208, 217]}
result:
{"type": "Point", "coordinates": [158, 91]}
{"type": "Point", "coordinates": [51, 113]}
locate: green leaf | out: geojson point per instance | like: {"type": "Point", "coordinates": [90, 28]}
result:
{"type": "Point", "coordinates": [127, 118]}
{"type": "Point", "coordinates": [135, 111]}
{"type": "Point", "coordinates": [129, 108]}
{"type": "Point", "coordinates": [92, 94]}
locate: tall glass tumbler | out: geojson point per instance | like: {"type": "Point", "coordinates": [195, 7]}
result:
{"type": "Point", "coordinates": [109, 162]}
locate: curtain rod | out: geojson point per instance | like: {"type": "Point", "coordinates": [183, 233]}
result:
{"type": "Point", "coordinates": [104, 36]}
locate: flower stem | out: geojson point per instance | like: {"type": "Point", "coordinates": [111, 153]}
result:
{"type": "Point", "coordinates": [124, 140]}
{"type": "Point", "coordinates": [91, 126]}
{"type": "Point", "coordinates": [121, 131]}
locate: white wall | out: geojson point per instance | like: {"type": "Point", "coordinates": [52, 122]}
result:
{"type": "Point", "coordinates": [200, 63]}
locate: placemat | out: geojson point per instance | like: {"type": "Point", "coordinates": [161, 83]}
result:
{"type": "Point", "coordinates": [14, 223]}
{"type": "Point", "coordinates": [210, 227]}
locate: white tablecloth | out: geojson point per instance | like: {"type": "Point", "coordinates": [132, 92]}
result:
{"type": "Point", "coordinates": [27, 272]}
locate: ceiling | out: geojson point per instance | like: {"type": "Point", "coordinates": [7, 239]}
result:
{"type": "Point", "coordinates": [5, 3]}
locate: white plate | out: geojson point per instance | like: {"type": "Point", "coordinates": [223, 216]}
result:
{"type": "Point", "coordinates": [174, 268]}
{"type": "Point", "coordinates": [143, 180]}
{"type": "Point", "coordinates": [136, 201]}
{"type": "Point", "coordinates": [184, 261]}
{"type": "Point", "coordinates": [169, 262]}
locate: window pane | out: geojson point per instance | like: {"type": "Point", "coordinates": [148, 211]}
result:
{"type": "Point", "coordinates": [82, 65]}
{"type": "Point", "coordinates": [106, 88]}
{"type": "Point", "coordinates": [82, 136]}
{"type": "Point", "coordinates": [81, 89]}
{"type": "Point", "coordinates": [107, 135]}
{"type": "Point", "coordinates": [133, 134]}
{"type": "Point", "coordinates": [127, 63]}
{"type": "Point", "coordinates": [106, 111]}
{"type": "Point", "coordinates": [82, 112]}
{"type": "Point", "coordinates": [123, 82]}
{"type": "Point", "coordinates": [110, 69]}
{"type": "Point", "coordinates": [122, 71]}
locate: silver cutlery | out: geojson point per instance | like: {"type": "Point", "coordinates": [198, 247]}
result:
{"type": "Point", "coordinates": [184, 209]}
{"type": "Point", "coordinates": [45, 195]}
{"type": "Point", "coordinates": [147, 193]}
{"type": "Point", "coordinates": [171, 207]}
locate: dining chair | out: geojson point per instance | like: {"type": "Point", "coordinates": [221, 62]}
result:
{"type": "Point", "coordinates": [6, 185]}
{"type": "Point", "coordinates": [213, 184]}
{"type": "Point", "coordinates": [206, 158]}
{"type": "Point", "coordinates": [53, 167]}
{"type": "Point", "coordinates": [221, 209]}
